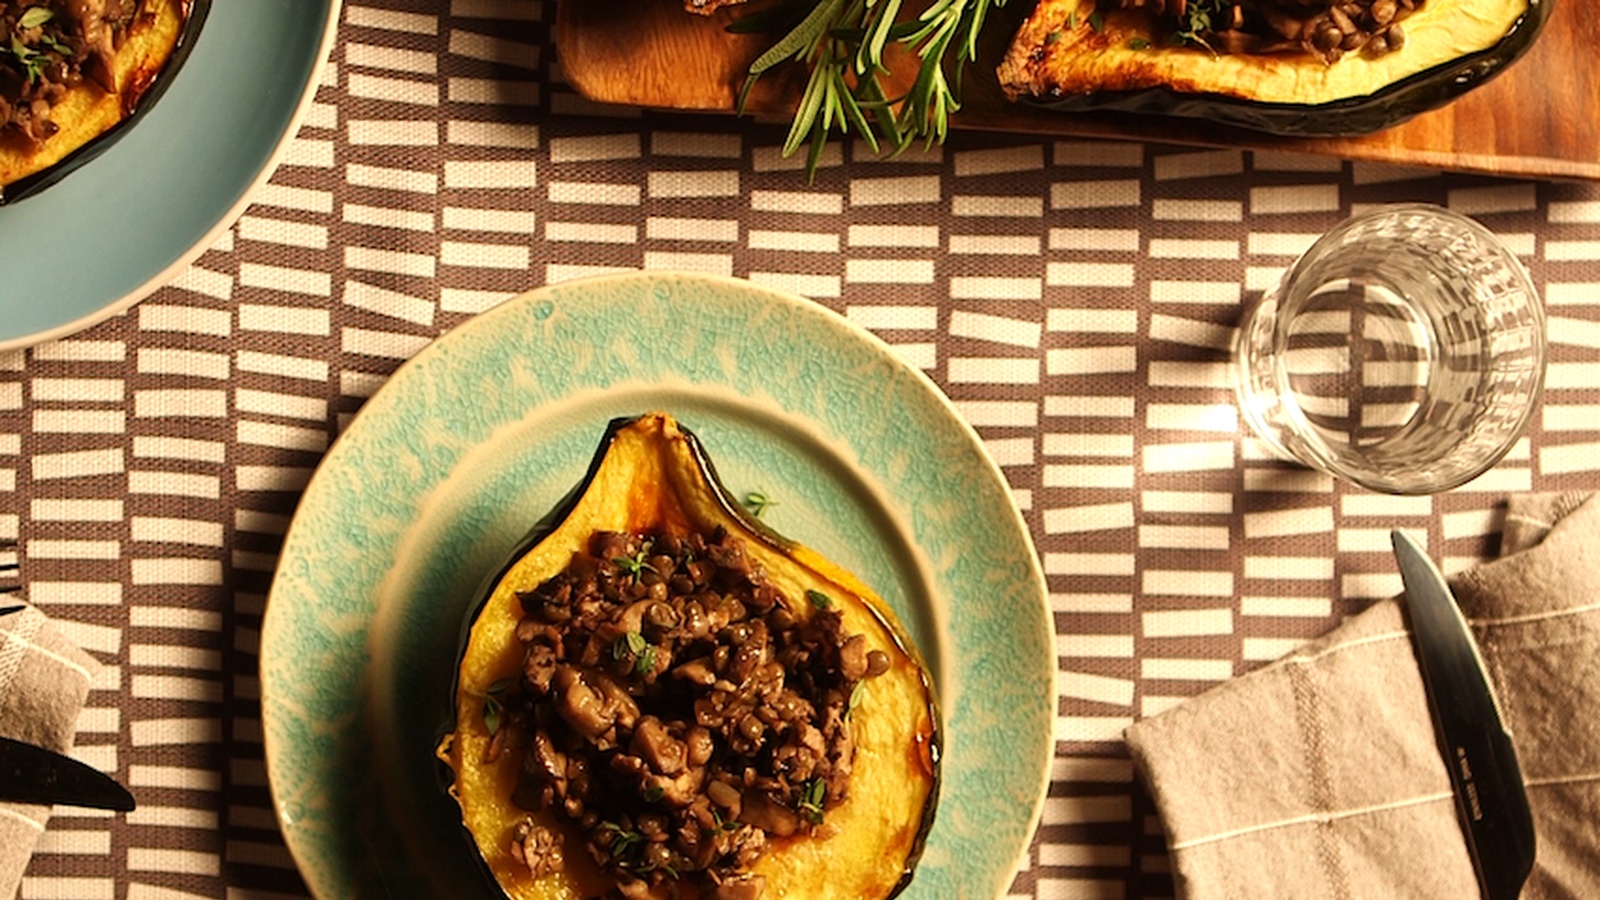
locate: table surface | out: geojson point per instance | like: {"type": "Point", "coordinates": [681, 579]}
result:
{"type": "Point", "coordinates": [1073, 297]}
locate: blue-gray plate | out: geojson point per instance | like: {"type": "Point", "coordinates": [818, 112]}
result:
{"type": "Point", "coordinates": [128, 221]}
{"type": "Point", "coordinates": [445, 468]}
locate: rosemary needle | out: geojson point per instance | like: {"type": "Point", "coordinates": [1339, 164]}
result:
{"type": "Point", "coordinates": [843, 43]}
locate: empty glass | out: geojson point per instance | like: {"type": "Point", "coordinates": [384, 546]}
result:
{"type": "Point", "coordinates": [1404, 352]}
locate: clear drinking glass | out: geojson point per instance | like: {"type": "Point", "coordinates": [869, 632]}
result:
{"type": "Point", "coordinates": [1404, 352]}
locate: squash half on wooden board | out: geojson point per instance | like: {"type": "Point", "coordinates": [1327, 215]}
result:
{"type": "Point", "coordinates": [1087, 55]}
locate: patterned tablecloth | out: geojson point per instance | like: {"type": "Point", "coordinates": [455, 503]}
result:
{"type": "Point", "coordinates": [1074, 298]}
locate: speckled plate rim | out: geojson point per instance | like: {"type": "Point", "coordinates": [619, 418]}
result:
{"type": "Point", "coordinates": [163, 255]}
{"type": "Point", "coordinates": [360, 505]}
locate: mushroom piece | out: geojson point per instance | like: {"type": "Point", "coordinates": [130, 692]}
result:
{"type": "Point", "coordinates": [748, 887]}
{"type": "Point", "coordinates": [537, 847]}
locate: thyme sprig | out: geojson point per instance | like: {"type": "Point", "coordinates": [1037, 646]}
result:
{"type": "Point", "coordinates": [632, 643]}
{"type": "Point", "coordinates": [636, 565]}
{"type": "Point", "coordinates": [30, 59]}
{"type": "Point", "coordinates": [758, 502]}
{"type": "Point", "coordinates": [1197, 23]}
{"type": "Point", "coordinates": [811, 799]}
{"type": "Point", "coordinates": [494, 704]}
{"type": "Point", "coordinates": [844, 42]}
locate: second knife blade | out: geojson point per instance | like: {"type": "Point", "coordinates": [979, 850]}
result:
{"type": "Point", "coordinates": [1478, 753]}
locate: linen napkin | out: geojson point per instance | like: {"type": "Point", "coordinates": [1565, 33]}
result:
{"type": "Point", "coordinates": [1318, 776]}
{"type": "Point", "coordinates": [44, 680]}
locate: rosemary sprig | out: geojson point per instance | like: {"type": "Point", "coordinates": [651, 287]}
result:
{"type": "Point", "coordinates": [844, 42]}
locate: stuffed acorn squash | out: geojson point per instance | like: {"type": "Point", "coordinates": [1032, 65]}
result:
{"type": "Point", "coordinates": [1284, 66]}
{"type": "Point", "coordinates": [660, 697]}
{"type": "Point", "coordinates": [71, 71]}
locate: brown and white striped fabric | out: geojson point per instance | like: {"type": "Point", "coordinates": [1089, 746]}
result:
{"type": "Point", "coordinates": [1075, 298]}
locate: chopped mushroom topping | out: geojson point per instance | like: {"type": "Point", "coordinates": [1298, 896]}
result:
{"type": "Point", "coordinates": [1327, 29]}
{"type": "Point", "coordinates": [680, 711]}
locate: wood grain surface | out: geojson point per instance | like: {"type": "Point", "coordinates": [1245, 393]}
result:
{"type": "Point", "coordinates": [1540, 118]}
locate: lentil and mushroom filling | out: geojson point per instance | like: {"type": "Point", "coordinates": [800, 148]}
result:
{"type": "Point", "coordinates": [1326, 29]}
{"type": "Point", "coordinates": [49, 47]}
{"type": "Point", "coordinates": [680, 710]}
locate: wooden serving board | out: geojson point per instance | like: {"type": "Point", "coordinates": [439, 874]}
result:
{"type": "Point", "coordinates": [1540, 118]}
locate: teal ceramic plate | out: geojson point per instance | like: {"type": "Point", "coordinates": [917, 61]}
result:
{"type": "Point", "coordinates": [131, 219]}
{"type": "Point", "coordinates": [447, 466]}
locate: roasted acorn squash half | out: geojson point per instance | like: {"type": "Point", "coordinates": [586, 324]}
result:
{"type": "Point", "coordinates": [651, 479]}
{"type": "Point", "coordinates": [109, 92]}
{"type": "Point", "coordinates": [1088, 55]}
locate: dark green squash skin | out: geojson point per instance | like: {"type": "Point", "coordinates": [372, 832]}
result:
{"type": "Point", "coordinates": [732, 509]}
{"type": "Point", "coordinates": [1389, 106]}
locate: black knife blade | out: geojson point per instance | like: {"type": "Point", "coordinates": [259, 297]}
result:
{"type": "Point", "coordinates": [30, 774]}
{"type": "Point", "coordinates": [1491, 802]}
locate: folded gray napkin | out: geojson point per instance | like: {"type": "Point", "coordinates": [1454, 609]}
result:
{"type": "Point", "coordinates": [1317, 776]}
{"type": "Point", "coordinates": [44, 680]}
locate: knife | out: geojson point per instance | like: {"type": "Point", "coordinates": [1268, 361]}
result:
{"type": "Point", "coordinates": [30, 774]}
{"type": "Point", "coordinates": [1490, 801]}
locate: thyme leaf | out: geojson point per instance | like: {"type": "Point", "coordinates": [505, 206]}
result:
{"type": "Point", "coordinates": [495, 703]}
{"type": "Point", "coordinates": [811, 798]}
{"type": "Point", "coordinates": [632, 643]}
{"type": "Point", "coordinates": [27, 57]}
{"type": "Point", "coordinates": [629, 643]}
{"type": "Point", "coordinates": [635, 565]}
{"type": "Point", "coordinates": [625, 843]}
{"type": "Point", "coordinates": [494, 707]}
{"type": "Point", "coordinates": [857, 693]}
{"type": "Point", "coordinates": [758, 502]}
{"type": "Point", "coordinates": [493, 713]}
{"type": "Point", "coordinates": [1197, 23]}
{"type": "Point", "coordinates": [34, 16]}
